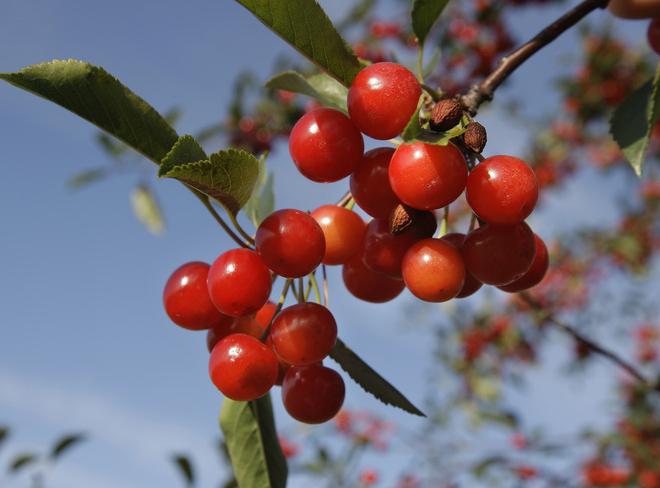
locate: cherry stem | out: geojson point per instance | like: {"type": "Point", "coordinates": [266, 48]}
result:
{"type": "Point", "coordinates": [484, 91]}
{"type": "Point", "coordinates": [207, 203]}
{"type": "Point", "coordinates": [326, 292]}
{"type": "Point", "coordinates": [314, 284]}
{"type": "Point", "coordinates": [237, 226]}
{"type": "Point", "coordinates": [345, 199]}
{"type": "Point", "coordinates": [301, 290]}
{"type": "Point", "coordinates": [280, 303]}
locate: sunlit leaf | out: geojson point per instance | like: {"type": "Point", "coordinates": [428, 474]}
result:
{"type": "Point", "coordinates": [326, 90]}
{"type": "Point", "coordinates": [147, 210]}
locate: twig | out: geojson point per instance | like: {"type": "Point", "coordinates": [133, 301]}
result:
{"type": "Point", "coordinates": [207, 203]}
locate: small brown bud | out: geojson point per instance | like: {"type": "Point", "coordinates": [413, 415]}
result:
{"type": "Point", "coordinates": [446, 114]}
{"type": "Point", "coordinates": [400, 219]}
{"type": "Point", "coordinates": [475, 137]}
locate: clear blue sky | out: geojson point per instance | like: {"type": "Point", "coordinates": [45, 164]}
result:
{"type": "Point", "coordinates": [84, 342]}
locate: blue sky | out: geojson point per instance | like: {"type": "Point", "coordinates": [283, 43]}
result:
{"type": "Point", "coordinates": [85, 344]}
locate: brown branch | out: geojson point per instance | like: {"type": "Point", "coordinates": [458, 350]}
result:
{"type": "Point", "coordinates": [485, 90]}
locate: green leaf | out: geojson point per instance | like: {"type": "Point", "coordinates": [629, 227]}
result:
{"type": "Point", "coordinates": [185, 468]}
{"type": "Point", "coordinates": [147, 210]}
{"type": "Point", "coordinates": [424, 14]}
{"type": "Point", "coordinates": [262, 202]}
{"type": "Point", "coordinates": [110, 145]}
{"type": "Point", "coordinates": [440, 138]}
{"type": "Point", "coordinates": [4, 434]}
{"type": "Point", "coordinates": [21, 461]}
{"type": "Point", "coordinates": [86, 177]}
{"type": "Point", "coordinates": [633, 121]}
{"type": "Point", "coordinates": [95, 95]}
{"type": "Point", "coordinates": [480, 468]}
{"type": "Point", "coordinates": [369, 380]}
{"type": "Point", "coordinates": [304, 25]}
{"type": "Point", "coordinates": [413, 127]}
{"type": "Point", "coordinates": [322, 87]}
{"type": "Point", "coordinates": [254, 449]}
{"type": "Point", "coordinates": [65, 443]}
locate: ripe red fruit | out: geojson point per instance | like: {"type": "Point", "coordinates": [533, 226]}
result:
{"type": "Point", "coordinates": [471, 284]}
{"type": "Point", "coordinates": [236, 325]}
{"type": "Point", "coordinates": [535, 273]}
{"type": "Point", "coordinates": [343, 230]}
{"type": "Point", "coordinates": [499, 255]}
{"type": "Point", "coordinates": [304, 333]}
{"type": "Point", "coordinates": [325, 145]}
{"type": "Point", "coordinates": [382, 98]}
{"type": "Point", "coordinates": [290, 242]}
{"type": "Point", "coordinates": [433, 270]}
{"type": "Point", "coordinates": [427, 176]}
{"type": "Point", "coordinates": [239, 282]}
{"type": "Point", "coordinates": [370, 183]}
{"type": "Point", "coordinates": [186, 298]}
{"type": "Point", "coordinates": [368, 285]}
{"type": "Point", "coordinates": [653, 35]}
{"type": "Point", "coordinates": [502, 190]}
{"type": "Point", "coordinates": [265, 314]}
{"type": "Point", "coordinates": [242, 368]}
{"type": "Point", "coordinates": [312, 394]}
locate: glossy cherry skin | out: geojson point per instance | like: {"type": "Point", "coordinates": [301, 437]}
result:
{"type": "Point", "coordinates": [242, 367]}
{"type": "Point", "coordinates": [290, 242]}
{"type": "Point", "coordinates": [502, 190]}
{"type": "Point", "coordinates": [325, 145]}
{"type": "Point", "coordinates": [343, 230]}
{"type": "Point", "coordinates": [368, 285]}
{"type": "Point", "coordinates": [304, 333]}
{"type": "Point", "coordinates": [536, 272]}
{"type": "Point", "coordinates": [433, 270]}
{"type": "Point", "coordinates": [427, 176]}
{"type": "Point", "coordinates": [498, 255]}
{"type": "Point", "coordinates": [312, 394]}
{"type": "Point", "coordinates": [471, 284]}
{"type": "Point", "coordinates": [653, 35]}
{"type": "Point", "coordinates": [186, 298]}
{"type": "Point", "coordinates": [265, 314]}
{"type": "Point", "coordinates": [370, 183]}
{"type": "Point", "coordinates": [382, 98]}
{"type": "Point", "coordinates": [383, 252]}
{"type": "Point", "coordinates": [250, 325]}
{"type": "Point", "coordinates": [239, 282]}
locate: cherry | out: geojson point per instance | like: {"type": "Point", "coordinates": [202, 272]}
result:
{"type": "Point", "coordinates": [471, 284]}
{"type": "Point", "coordinates": [653, 34]}
{"type": "Point", "coordinates": [325, 145]}
{"type": "Point", "coordinates": [427, 176]}
{"type": "Point", "coordinates": [239, 282]}
{"type": "Point", "coordinates": [536, 272]}
{"type": "Point", "coordinates": [502, 190]}
{"type": "Point", "coordinates": [290, 242]}
{"type": "Point", "coordinates": [304, 333]}
{"type": "Point", "coordinates": [499, 255]}
{"type": "Point", "coordinates": [186, 298]}
{"type": "Point", "coordinates": [433, 270]}
{"type": "Point", "coordinates": [368, 285]}
{"type": "Point", "coordinates": [312, 394]}
{"type": "Point", "coordinates": [383, 251]}
{"type": "Point", "coordinates": [343, 230]}
{"type": "Point", "coordinates": [265, 314]}
{"type": "Point", "coordinates": [242, 368]}
{"type": "Point", "coordinates": [250, 325]}
{"type": "Point", "coordinates": [382, 99]}
{"type": "Point", "coordinates": [370, 183]}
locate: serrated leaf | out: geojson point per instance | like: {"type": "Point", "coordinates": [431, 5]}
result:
{"type": "Point", "coordinates": [370, 380]}
{"type": "Point", "coordinates": [95, 95]}
{"type": "Point", "coordinates": [185, 150]}
{"type": "Point", "coordinates": [320, 86]}
{"type": "Point", "coordinates": [185, 468]}
{"type": "Point", "coordinates": [424, 14]}
{"type": "Point", "coordinates": [86, 177]}
{"type": "Point", "coordinates": [633, 120]}
{"type": "Point", "coordinates": [147, 210]}
{"type": "Point", "coordinates": [21, 461]}
{"type": "Point", "coordinates": [254, 449]}
{"type": "Point", "coordinates": [304, 25]}
{"type": "Point", "coordinates": [64, 444]}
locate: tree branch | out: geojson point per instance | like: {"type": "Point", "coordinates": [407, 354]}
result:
{"type": "Point", "coordinates": [485, 90]}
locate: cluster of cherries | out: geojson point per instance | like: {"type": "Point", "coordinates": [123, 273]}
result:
{"type": "Point", "coordinates": [253, 346]}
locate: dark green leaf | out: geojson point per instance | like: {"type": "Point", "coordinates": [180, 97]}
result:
{"type": "Point", "coordinates": [147, 210]}
{"type": "Point", "coordinates": [322, 87]}
{"type": "Point", "coordinates": [439, 138]}
{"type": "Point", "coordinates": [86, 177]}
{"type": "Point", "coordinates": [110, 145]}
{"type": "Point", "coordinates": [172, 116]}
{"type": "Point", "coordinates": [4, 433]}
{"type": "Point", "coordinates": [183, 464]}
{"type": "Point", "coordinates": [633, 121]}
{"type": "Point", "coordinates": [65, 443]}
{"type": "Point", "coordinates": [413, 127]}
{"type": "Point", "coordinates": [369, 380]}
{"type": "Point", "coordinates": [304, 25]}
{"type": "Point", "coordinates": [254, 449]}
{"type": "Point", "coordinates": [424, 14]}
{"type": "Point", "coordinates": [95, 95]}
{"type": "Point", "coordinates": [21, 461]}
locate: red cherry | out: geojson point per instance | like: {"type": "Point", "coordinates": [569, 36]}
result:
{"type": "Point", "coordinates": [239, 282]}
{"type": "Point", "coordinates": [368, 285]}
{"type": "Point", "coordinates": [186, 298]}
{"type": "Point", "coordinates": [343, 230]}
{"type": "Point", "coordinates": [312, 394]}
{"type": "Point", "coordinates": [265, 314]}
{"type": "Point", "coordinates": [499, 255]}
{"type": "Point", "coordinates": [502, 190]}
{"type": "Point", "coordinates": [325, 145]}
{"type": "Point", "coordinates": [427, 176]}
{"type": "Point", "coordinates": [471, 284]}
{"type": "Point", "coordinates": [242, 368]}
{"type": "Point", "coordinates": [237, 325]}
{"type": "Point", "coordinates": [370, 183]}
{"type": "Point", "coordinates": [304, 333]}
{"type": "Point", "coordinates": [382, 98]}
{"type": "Point", "coordinates": [383, 251]}
{"type": "Point", "coordinates": [290, 242]}
{"type": "Point", "coordinates": [653, 35]}
{"type": "Point", "coordinates": [536, 272]}
{"type": "Point", "coordinates": [433, 270]}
